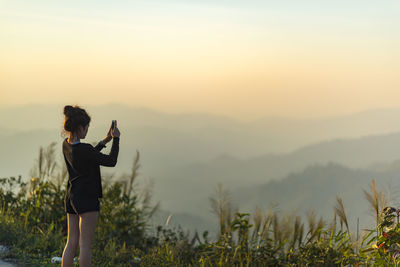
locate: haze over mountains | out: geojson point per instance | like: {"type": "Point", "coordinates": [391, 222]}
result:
{"type": "Point", "coordinates": [294, 162]}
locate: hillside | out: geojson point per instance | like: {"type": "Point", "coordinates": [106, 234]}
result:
{"type": "Point", "coordinates": [317, 187]}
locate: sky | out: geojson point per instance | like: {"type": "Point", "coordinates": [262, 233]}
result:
{"type": "Point", "coordinates": [244, 59]}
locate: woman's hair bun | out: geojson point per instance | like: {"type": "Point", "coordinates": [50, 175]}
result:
{"type": "Point", "coordinates": [68, 110]}
{"type": "Point", "coordinates": [75, 117]}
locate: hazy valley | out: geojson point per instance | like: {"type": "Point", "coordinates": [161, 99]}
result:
{"type": "Point", "coordinates": [298, 164]}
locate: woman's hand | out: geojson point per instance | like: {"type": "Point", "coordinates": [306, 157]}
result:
{"type": "Point", "coordinates": [115, 132]}
{"type": "Point", "coordinates": [109, 136]}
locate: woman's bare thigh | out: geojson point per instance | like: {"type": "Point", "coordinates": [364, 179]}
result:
{"type": "Point", "coordinates": [73, 228]}
{"type": "Point", "coordinates": [87, 226]}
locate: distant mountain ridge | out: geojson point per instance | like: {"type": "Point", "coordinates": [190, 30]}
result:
{"type": "Point", "coordinates": [187, 155]}
{"type": "Point", "coordinates": [239, 138]}
{"type": "Point", "coordinates": [236, 173]}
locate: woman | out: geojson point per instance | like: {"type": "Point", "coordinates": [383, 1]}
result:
{"type": "Point", "coordinates": [84, 183]}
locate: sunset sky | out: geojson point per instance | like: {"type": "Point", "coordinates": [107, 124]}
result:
{"type": "Point", "coordinates": [245, 59]}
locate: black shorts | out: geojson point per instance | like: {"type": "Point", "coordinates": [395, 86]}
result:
{"type": "Point", "coordinates": [78, 205]}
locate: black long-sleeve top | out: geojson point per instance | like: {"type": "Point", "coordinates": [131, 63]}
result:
{"type": "Point", "coordinates": [83, 163]}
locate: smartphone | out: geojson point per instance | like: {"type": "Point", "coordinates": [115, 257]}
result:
{"type": "Point", "coordinates": [113, 124]}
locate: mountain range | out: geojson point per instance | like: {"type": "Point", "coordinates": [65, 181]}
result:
{"type": "Point", "coordinates": [298, 163]}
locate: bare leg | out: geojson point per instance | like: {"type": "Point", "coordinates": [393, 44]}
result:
{"type": "Point", "coordinates": [87, 225]}
{"type": "Point", "coordinates": [72, 240]}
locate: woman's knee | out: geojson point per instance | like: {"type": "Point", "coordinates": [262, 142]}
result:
{"type": "Point", "coordinates": [73, 241]}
